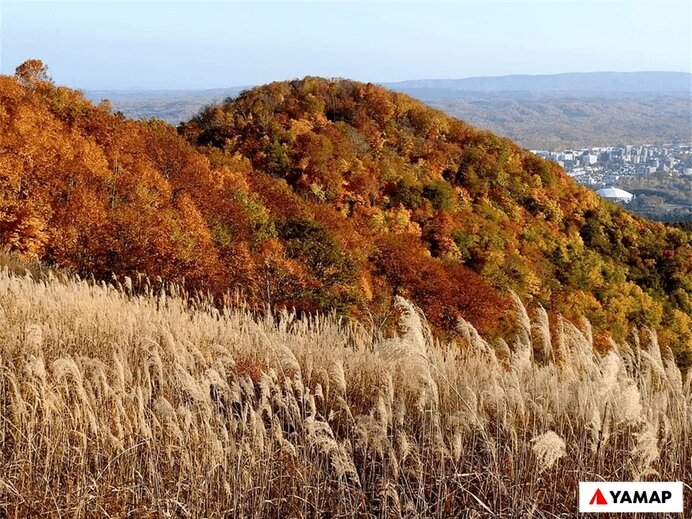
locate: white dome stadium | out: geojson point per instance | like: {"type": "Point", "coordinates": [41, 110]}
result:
{"type": "Point", "coordinates": [615, 195]}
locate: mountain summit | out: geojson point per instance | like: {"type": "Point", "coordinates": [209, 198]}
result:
{"type": "Point", "coordinates": [330, 195]}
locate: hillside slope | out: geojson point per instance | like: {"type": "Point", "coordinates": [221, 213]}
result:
{"type": "Point", "coordinates": [330, 195]}
{"type": "Point", "coordinates": [405, 176]}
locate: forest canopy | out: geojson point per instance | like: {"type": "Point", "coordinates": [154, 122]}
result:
{"type": "Point", "coordinates": [329, 195]}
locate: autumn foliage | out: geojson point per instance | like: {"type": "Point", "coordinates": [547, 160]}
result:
{"type": "Point", "coordinates": [328, 195]}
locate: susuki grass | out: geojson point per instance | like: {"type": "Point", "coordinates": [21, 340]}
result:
{"type": "Point", "coordinates": [116, 403]}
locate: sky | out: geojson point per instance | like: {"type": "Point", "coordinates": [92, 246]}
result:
{"type": "Point", "coordinates": [119, 45]}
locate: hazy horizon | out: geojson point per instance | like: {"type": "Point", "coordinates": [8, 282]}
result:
{"type": "Point", "coordinates": [174, 45]}
{"type": "Point", "coordinates": [411, 80]}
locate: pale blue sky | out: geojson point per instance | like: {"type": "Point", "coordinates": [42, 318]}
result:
{"type": "Point", "coordinates": [172, 44]}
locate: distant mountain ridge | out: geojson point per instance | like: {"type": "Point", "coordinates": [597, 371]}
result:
{"type": "Point", "coordinates": [172, 106]}
{"type": "Point", "coordinates": [546, 112]}
{"type": "Point", "coordinates": [124, 95]}
{"type": "Point", "coordinates": [586, 82]}
{"type": "Point", "coordinates": [583, 82]}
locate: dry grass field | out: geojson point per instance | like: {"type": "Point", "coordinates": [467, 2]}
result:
{"type": "Point", "coordinates": [120, 403]}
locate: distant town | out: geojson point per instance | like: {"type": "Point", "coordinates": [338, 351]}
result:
{"type": "Point", "coordinates": [654, 181]}
{"type": "Point", "coordinates": [605, 167]}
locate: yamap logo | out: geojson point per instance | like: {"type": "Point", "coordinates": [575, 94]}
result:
{"type": "Point", "coordinates": [598, 498]}
{"type": "Point", "coordinates": [631, 497]}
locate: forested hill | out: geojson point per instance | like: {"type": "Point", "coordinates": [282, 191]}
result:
{"type": "Point", "coordinates": [329, 195]}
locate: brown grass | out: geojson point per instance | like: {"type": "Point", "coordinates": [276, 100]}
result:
{"type": "Point", "coordinates": [117, 404]}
